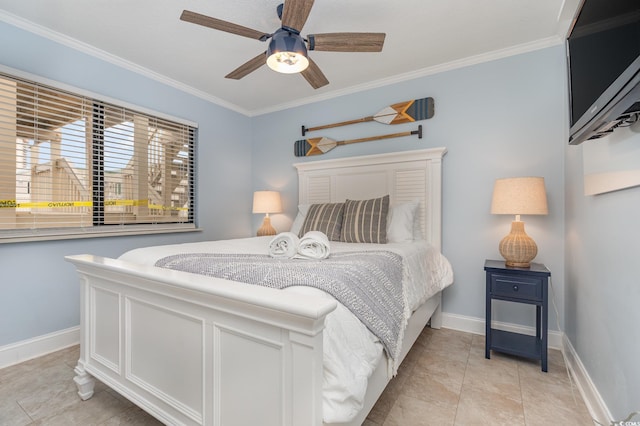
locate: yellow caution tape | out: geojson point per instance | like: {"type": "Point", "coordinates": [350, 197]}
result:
{"type": "Point", "coordinates": [135, 203]}
{"type": "Point", "coordinates": [66, 204]}
{"type": "Point", "coordinates": [44, 204]}
{"type": "Point", "coordinates": [8, 203]}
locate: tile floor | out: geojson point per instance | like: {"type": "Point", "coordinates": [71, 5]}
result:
{"type": "Point", "coordinates": [445, 380]}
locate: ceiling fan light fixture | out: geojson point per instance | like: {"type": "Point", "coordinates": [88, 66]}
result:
{"type": "Point", "coordinates": [287, 52]}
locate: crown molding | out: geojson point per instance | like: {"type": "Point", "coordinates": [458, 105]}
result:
{"type": "Point", "coordinates": [436, 69]}
{"type": "Point", "coordinates": [113, 59]}
{"type": "Point", "coordinates": [107, 57]}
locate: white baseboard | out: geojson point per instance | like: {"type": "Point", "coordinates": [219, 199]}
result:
{"type": "Point", "coordinates": [476, 326]}
{"type": "Point", "coordinates": [557, 340]}
{"type": "Point", "coordinates": [25, 350]}
{"type": "Point", "coordinates": [596, 405]}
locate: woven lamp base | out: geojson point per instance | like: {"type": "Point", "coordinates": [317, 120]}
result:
{"type": "Point", "coordinates": [266, 228]}
{"type": "Point", "coordinates": [518, 248]}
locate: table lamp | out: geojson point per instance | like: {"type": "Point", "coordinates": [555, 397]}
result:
{"type": "Point", "coordinates": [266, 202]}
{"type": "Point", "coordinates": [520, 195]}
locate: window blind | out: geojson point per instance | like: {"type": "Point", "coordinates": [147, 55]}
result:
{"type": "Point", "coordinates": [71, 164]}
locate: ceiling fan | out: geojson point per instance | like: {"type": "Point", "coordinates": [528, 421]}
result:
{"type": "Point", "coordinates": [287, 50]}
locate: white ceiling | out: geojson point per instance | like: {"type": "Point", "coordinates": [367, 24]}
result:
{"type": "Point", "coordinates": [423, 37]}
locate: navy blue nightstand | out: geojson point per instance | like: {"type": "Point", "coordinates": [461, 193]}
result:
{"type": "Point", "coordinates": [521, 285]}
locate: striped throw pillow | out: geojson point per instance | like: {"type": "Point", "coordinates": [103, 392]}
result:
{"type": "Point", "coordinates": [365, 221]}
{"type": "Point", "coordinates": [326, 218]}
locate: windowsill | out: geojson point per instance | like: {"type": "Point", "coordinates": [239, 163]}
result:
{"type": "Point", "coordinates": [114, 231]}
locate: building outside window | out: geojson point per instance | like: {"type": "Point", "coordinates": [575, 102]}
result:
{"type": "Point", "coordinates": [76, 165]}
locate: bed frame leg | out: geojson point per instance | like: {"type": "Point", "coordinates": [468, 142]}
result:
{"type": "Point", "coordinates": [436, 318]}
{"type": "Point", "coordinates": [84, 382]}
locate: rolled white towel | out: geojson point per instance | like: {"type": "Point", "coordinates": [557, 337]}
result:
{"type": "Point", "coordinates": [313, 245]}
{"type": "Point", "coordinates": [284, 245]}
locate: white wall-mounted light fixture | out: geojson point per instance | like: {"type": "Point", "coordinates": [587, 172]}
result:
{"type": "Point", "coordinates": [266, 202]}
{"type": "Point", "coordinates": [521, 195]}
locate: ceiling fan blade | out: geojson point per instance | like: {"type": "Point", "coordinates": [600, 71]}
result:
{"type": "Point", "coordinates": [346, 42]}
{"type": "Point", "coordinates": [295, 13]}
{"type": "Point", "coordinates": [218, 24]}
{"type": "Point", "coordinates": [314, 76]}
{"type": "Point", "coordinates": [248, 67]}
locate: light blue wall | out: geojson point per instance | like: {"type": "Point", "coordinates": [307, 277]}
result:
{"type": "Point", "coordinates": [38, 289]}
{"type": "Point", "coordinates": [603, 284]}
{"type": "Point", "coordinates": [497, 119]}
{"type": "Point", "coordinates": [502, 118]}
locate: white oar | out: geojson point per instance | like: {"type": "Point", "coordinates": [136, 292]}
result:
{"type": "Point", "coordinates": [316, 146]}
{"type": "Point", "coordinates": [402, 112]}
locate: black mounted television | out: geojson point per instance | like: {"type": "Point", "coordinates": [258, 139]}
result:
{"type": "Point", "coordinates": [603, 51]}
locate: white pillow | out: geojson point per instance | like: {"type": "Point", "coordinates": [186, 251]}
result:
{"type": "Point", "coordinates": [303, 209]}
{"type": "Point", "coordinates": [403, 223]}
{"type": "Point", "coordinates": [417, 226]}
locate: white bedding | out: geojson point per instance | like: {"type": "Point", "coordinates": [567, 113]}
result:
{"type": "Point", "coordinates": [346, 367]}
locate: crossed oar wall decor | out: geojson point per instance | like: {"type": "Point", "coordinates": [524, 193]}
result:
{"type": "Point", "coordinates": [400, 113]}
{"type": "Point", "coordinates": [321, 145]}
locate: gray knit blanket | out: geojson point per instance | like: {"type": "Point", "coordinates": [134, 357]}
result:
{"type": "Point", "coordinates": [368, 283]}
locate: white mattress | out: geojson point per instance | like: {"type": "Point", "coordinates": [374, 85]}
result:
{"type": "Point", "coordinates": [347, 367]}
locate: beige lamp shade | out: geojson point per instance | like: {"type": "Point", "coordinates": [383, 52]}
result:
{"type": "Point", "coordinates": [520, 195]}
{"type": "Point", "coordinates": [266, 202]}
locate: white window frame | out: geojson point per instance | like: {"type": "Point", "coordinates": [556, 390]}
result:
{"type": "Point", "coordinates": [9, 235]}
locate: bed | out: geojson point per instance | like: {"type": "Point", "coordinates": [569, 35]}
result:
{"type": "Point", "coordinates": [200, 350]}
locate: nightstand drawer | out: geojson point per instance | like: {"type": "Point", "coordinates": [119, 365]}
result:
{"type": "Point", "coordinates": [516, 287]}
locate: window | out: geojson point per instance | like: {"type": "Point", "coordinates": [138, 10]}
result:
{"type": "Point", "coordinates": [72, 165]}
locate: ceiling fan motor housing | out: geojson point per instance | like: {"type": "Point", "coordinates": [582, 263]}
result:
{"type": "Point", "coordinates": [287, 52]}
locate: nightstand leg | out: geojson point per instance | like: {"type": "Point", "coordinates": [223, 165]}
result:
{"type": "Point", "coordinates": [545, 335]}
{"type": "Point", "coordinates": [545, 324]}
{"type": "Point", "coordinates": [487, 321]}
{"type": "Point", "coordinates": [538, 323]}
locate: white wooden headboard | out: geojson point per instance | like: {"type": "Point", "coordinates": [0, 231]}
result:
{"type": "Point", "coordinates": [405, 176]}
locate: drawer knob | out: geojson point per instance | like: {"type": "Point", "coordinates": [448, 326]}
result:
{"type": "Point", "coordinates": [515, 287]}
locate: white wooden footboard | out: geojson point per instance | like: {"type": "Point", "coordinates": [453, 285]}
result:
{"type": "Point", "coordinates": [196, 350]}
